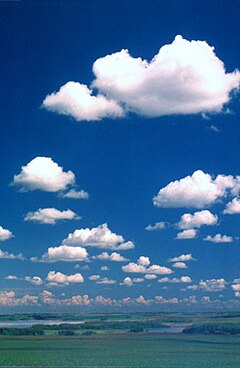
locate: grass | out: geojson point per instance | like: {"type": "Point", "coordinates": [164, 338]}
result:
{"type": "Point", "coordinates": [125, 350]}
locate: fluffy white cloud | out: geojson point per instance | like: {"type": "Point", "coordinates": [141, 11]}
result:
{"type": "Point", "coordinates": [175, 280]}
{"type": "Point", "coordinates": [7, 255]}
{"type": "Point", "coordinates": [11, 277]}
{"type": "Point", "coordinates": [5, 234]}
{"type": "Point", "coordinates": [127, 282]}
{"type": "Point", "coordinates": [198, 190]}
{"type": "Point", "coordinates": [196, 220]}
{"type": "Point", "coordinates": [218, 238]}
{"type": "Point", "coordinates": [104, 268]}
{"type": "Point", "coordinates": [94, 277]}
{"type": "Point", "coordinates": [64, 253]}
{"type": "Point", "coordinates": [100, 237]}
{"type": "Point", "coordinates": [50, 215]}
{"type": "Point", "coordinates": [157, 226]}
{"type": "Point", "coordinates": [114, 257]}
{"type": "Point", "coordinates": [187, 234]}
{"type": "Point", "coordinates": [35, 280]}
{"type": "Point", "coordinates": [150, 277]}
{"type": "Point", "coordinates": [76, 100]}
{"type": "Point", "coordinates": [212, 285]}
{"type": "Point", "coordinates": [44, 174]}
{"type": "Point", "coordinates": [182, 258]}
{"type": "Point", "coordinates": [179, 265]}
{"type": "Point", "coordinates": [74, 194]}
{"type": "Point", "coordinates": [233, 207]}
{"type": "Point", "coordinates": [106, 281]}
{"type": "Point", "coordinates": [236, 287]}
{"type": "Point", "coordinates": [58, 278]}
{"type": "Point", "coordinates": [143, 261]}
{"type": "Point", "coordinates": [185, 77]}
{"type": "Point", "coordinates": [154, 269]}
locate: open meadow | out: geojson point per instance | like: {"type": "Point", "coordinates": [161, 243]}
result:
{"type": "Point", "coordinates": [122, 350]}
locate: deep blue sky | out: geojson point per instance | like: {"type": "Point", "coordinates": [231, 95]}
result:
{"type": "Point", "coordinates": [121, 163]}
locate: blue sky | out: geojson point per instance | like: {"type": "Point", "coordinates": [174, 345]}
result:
{"type": "Point", "coordinates": [91, 134]}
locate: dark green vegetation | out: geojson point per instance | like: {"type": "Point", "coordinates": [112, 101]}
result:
{"type": "Point", "coordinates": [216, 328]}
{"type": "Point", "coordinates": [125, 350]}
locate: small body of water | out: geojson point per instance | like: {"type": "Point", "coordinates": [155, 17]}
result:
{"type": "Point", "coordinates": [29, 323]}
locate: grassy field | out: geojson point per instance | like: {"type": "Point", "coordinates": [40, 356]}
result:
{"type": "Point", "coordinates": [123, 350]}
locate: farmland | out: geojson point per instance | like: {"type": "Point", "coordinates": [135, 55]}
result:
{"type": "Point", "coordinates": [126, 350]}
{"type": "Point", "coordinates": [207, 340]}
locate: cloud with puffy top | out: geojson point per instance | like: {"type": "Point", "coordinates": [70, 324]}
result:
{"type": "Point", "coordinates": [212, 285]}
{"type": "Point", "coordinates": [218, 238]}
{"type": "Point", "coordinates": [143, 266]}
{"type": "Point", "coordinates": [35, 280]}
{"type": "Point", "coordinates": [59, 279]}
{"type": "Point", "coordinates": [182, 258]}
{"type": "Point", "coordinates": [198, 219]}
{"type": "Point", "coordinates": [100, 237]}
{"type": "Point", "coordinates": [5, 234]}
{"type": "Point", "coordinates": [114, 257]}
{"type": "Point", "coordinates": [63, 253]}
{"type": "Point", "coordinates": [7, 255]}
{"type": "Point", "coordinates": [233, 207]}
{"type": "Point", "coordinates": [184, 77]}
{"type": "Point", "coordinates": [50, 216]}
{"type": "Point", "coordinates": [187, 234]}
{"type": "Point", "coordinates": [157, 226]}
{"type": "Point", "coordinates": [198, 190]}
{"type": "Point", "coordinates": [42, 173]}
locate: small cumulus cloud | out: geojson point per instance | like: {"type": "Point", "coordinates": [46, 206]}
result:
{"type": "Point", "coordinates": [5, 234]}
{"type": "Point", "coordinates": [35, 280]}
{"type": "Point", "coordinates": [198, 190]}
{"type": "Point", "coordinates": [179, 265]}
{"type": "Point", "coordinates": [100, 237]}
{"type": "Point", "coordinates": [233, 207]}
{"type": "Point", "coordinates": [7, 255]}
{"type": "Point", "coordinates": [187, 234]}
{"type": "Point", "coordinates": [218, 238]}
{"type": "Point", "coordinates": [50, 216]}
{"type": "Point", "coordinates": [63, 253]}
{"type": "Point", "coordinates": [74, 194]}
{"type": "Point", "coordinates": [157, 226]}
{"type": "Point", "coordinates": [198, 219]}
{"type": "Point", "coordinates": [143, 266]}
{"type": "Point", "coordinates": [182, 258]}
{"type": "Point", "coordinates": [59, 279]}
{"type": "Point", "coordinates": [114, 257]}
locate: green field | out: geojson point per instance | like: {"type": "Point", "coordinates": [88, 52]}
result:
{"type": "Point", "coordinates": [123, 350]}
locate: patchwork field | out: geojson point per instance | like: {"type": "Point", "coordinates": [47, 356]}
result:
{"type": "Point", "coordinates": [122, 350]}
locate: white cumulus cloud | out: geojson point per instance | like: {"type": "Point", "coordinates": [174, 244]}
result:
{"type": "Point", "coordinates": [114, 257]}
{"type": "Point", "coordinates": [233, 207]}
{"type": "Point", "coordinates": [218, 238]}
{"type": "Point", "coordinates": [179, 265]}
{"type": "Point", "coordinates": [198, 190]}
{"type": "Point", "coordinates": [182, 258]}
{"type": "Point", "coordinates": [74, 194]}
{"type": "Point", "coordinates": [5, 234]}
{"type": "Point", "coordinates": [157, 226]}
{"type": "Point", "coordinates": [7, 255]}
{"type": "Point", "coordinates": [50, 215]}
{"type": "Point", "coordinates": [100, 237]}
{"type": "Point", "coordinates": [57, 278]}
{"type": "Point", "coordinates": [76, 100]}
{"type": "Point", "coordinates": [198, 219]}
{"type": "Point", "coordinates": [42, 173]}
{"type": "Point", "coordinates": [35, 280]}
{"type": "Point", "coordinates": [187, 234]}
{"type": "Point", "coordinates": [184, 77]}
{"type": "Point", "coordinates": [63, 253]}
